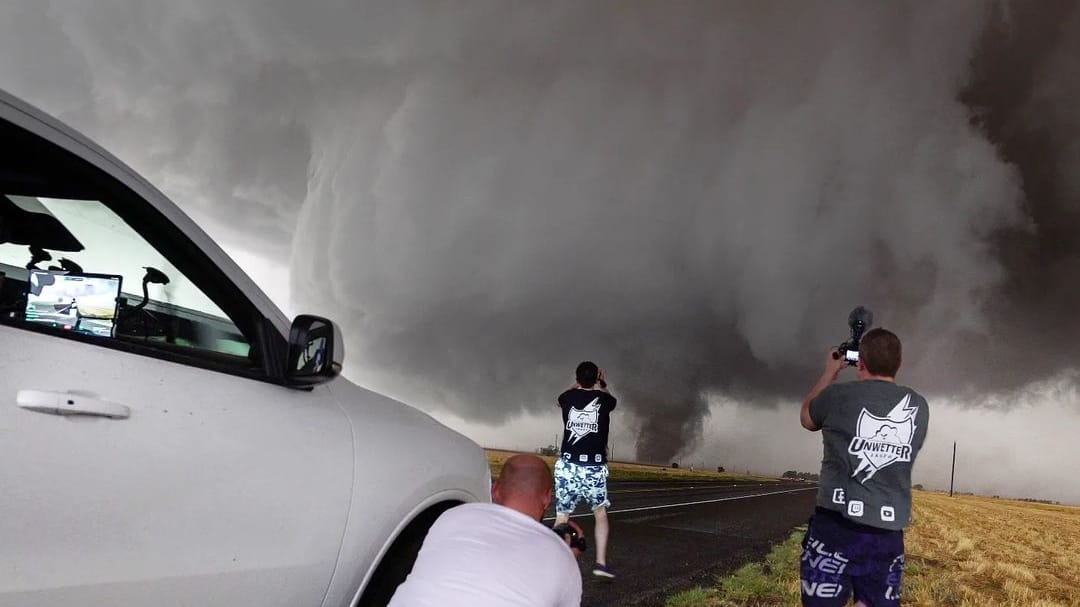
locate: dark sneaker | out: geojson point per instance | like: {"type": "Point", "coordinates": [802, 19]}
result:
{"type": "Point", "coordinates": [602, 571]}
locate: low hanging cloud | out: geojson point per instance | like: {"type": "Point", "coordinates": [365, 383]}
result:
{"type": "Point", "coordinates": [692, 195]}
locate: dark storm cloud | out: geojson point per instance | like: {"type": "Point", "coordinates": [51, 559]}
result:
{"type": "Point", "coordinates": [1026, 96]}
{"type": "Point", "coordinates": [175, 89]}
{"type": "Point", "coordinates": [693, 195]}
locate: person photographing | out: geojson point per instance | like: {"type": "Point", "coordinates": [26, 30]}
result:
{"type": "Point", "coordinates": [497, 554]}
{"type": "Point", "coordinates": [581, 471]}
{"type": "Point", "coordinates": [872, 430]}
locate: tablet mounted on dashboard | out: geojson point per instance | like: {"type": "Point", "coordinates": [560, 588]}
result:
{"type": "Point", "coordinates": [83, 303]}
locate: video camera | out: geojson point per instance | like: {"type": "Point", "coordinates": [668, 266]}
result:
{"type": "Point", "coordinates": [569, 534]}
{"type": "Point", "coordinates": [859, 320]}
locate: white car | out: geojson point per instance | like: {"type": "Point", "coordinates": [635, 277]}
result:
{"type": "Point", "coordinates": [166, 436]}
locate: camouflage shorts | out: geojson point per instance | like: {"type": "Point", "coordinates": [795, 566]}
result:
{"type": "Point", "coordinates": [574, 483]}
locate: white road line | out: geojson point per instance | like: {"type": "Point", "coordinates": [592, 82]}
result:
{"type": "Point", "coordinates": [683, 488]}
{"type": "Point", "coordinates": [662, 506]}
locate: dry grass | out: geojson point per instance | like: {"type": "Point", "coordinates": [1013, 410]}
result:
{"type": "Point", "coordinates": [625, 471]}
{"type": "Point", "coordinates": [962, 551]}
{"type": "Point", "coordinates": [992, 552]}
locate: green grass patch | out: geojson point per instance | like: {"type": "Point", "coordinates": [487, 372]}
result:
{"type": "Point", "coordinates": [772, 582]}
{"type": "Point", "coordinates": [695, 597]}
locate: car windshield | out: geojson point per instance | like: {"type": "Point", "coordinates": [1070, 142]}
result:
{"type": "Point", "coordinates": [85, 237]}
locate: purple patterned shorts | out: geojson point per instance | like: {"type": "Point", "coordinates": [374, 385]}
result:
{"type": "Point", "coordinates": [841, 558]}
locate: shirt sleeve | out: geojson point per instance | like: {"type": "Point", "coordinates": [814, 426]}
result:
{"type": "Point", "coordinates": [922, 422]}
{"type": "Point", "coordinates": [560, 402]}
{"type": "Point", "coordinates": [822, 403]}
{"type": "Point", "coordinates": [610, 401]}
{"type": "Point", "coordinates": [572, 586]}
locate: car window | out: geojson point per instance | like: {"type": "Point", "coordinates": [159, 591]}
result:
{"type": "Point", "coordinates": [171, 310]}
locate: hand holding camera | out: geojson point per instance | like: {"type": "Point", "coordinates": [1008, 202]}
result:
{"type": "Point", "coordinates": [573, 535]}
{"type": "Point", "coordinates": [859, 320]}
{"type": "Point", "coordinates": [834, 363]}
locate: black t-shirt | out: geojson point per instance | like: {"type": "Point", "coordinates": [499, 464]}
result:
{"type": "Point", "coordinates": [585, 415]}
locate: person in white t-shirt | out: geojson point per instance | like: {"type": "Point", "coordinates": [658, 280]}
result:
{"type": "Point", "coordinates": [496, 554]}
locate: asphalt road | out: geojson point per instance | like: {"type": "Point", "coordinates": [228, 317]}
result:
{"type": "Point", "coordinates": [667, 536]}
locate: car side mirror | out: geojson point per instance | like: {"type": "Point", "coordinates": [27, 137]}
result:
{"type": "Point", "coordinates": [316, 351]}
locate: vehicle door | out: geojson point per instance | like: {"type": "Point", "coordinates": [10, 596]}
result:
{"type": "Point", "coordinates": [149, 454]}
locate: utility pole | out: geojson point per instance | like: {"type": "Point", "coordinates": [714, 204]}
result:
{"type": "Point", "coordinates": [952, 477]}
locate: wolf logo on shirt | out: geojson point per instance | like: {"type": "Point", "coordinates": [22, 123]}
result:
{"type": "Point", "coordinates": [882, 441]}
{"type": "Point", "coordinates": [583, 422]}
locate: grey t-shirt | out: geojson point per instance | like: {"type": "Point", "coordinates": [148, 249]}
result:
{"type": "Point", "coordinates": [872, 431]}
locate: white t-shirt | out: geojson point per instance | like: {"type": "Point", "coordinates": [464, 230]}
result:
{"type": "Point", "coordinates": [480, 555]}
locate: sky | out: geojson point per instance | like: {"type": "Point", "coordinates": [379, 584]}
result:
{"type": "Point", "coordinates": [694, 195]}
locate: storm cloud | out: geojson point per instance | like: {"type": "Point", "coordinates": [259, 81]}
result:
{"type": "Point", "coordinates": [694, 195]}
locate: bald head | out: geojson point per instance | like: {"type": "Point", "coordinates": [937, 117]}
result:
{"type": "Point", "coordinates": [524, 485]}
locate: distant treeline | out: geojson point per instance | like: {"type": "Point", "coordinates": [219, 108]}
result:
{"type": "Point", "coordinates": [1031, 499]}
{"type": "Point", "coordinates": [803, 476]}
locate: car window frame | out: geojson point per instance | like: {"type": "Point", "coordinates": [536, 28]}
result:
{"type": "Point", "coordinates": [269, 348]}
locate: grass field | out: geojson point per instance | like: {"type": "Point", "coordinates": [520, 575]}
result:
{"type": "Point", "coordinates": [624, 471]}
{"type": "Point", "coordinates": [962, 551]}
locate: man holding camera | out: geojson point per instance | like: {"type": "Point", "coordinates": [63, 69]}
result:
{"type": "Point", "coordinates": [581, 471]}
{"type": "Point", "coordinates": [872, 430]}
{"type": "Point", "coordinates": [488, 555]}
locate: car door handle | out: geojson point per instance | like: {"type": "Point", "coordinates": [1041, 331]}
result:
{"type": "Point", "coordinates": [70, 403]}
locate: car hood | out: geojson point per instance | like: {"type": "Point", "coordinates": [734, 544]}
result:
{"type": "Point", "coordinates": [387, 430]}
